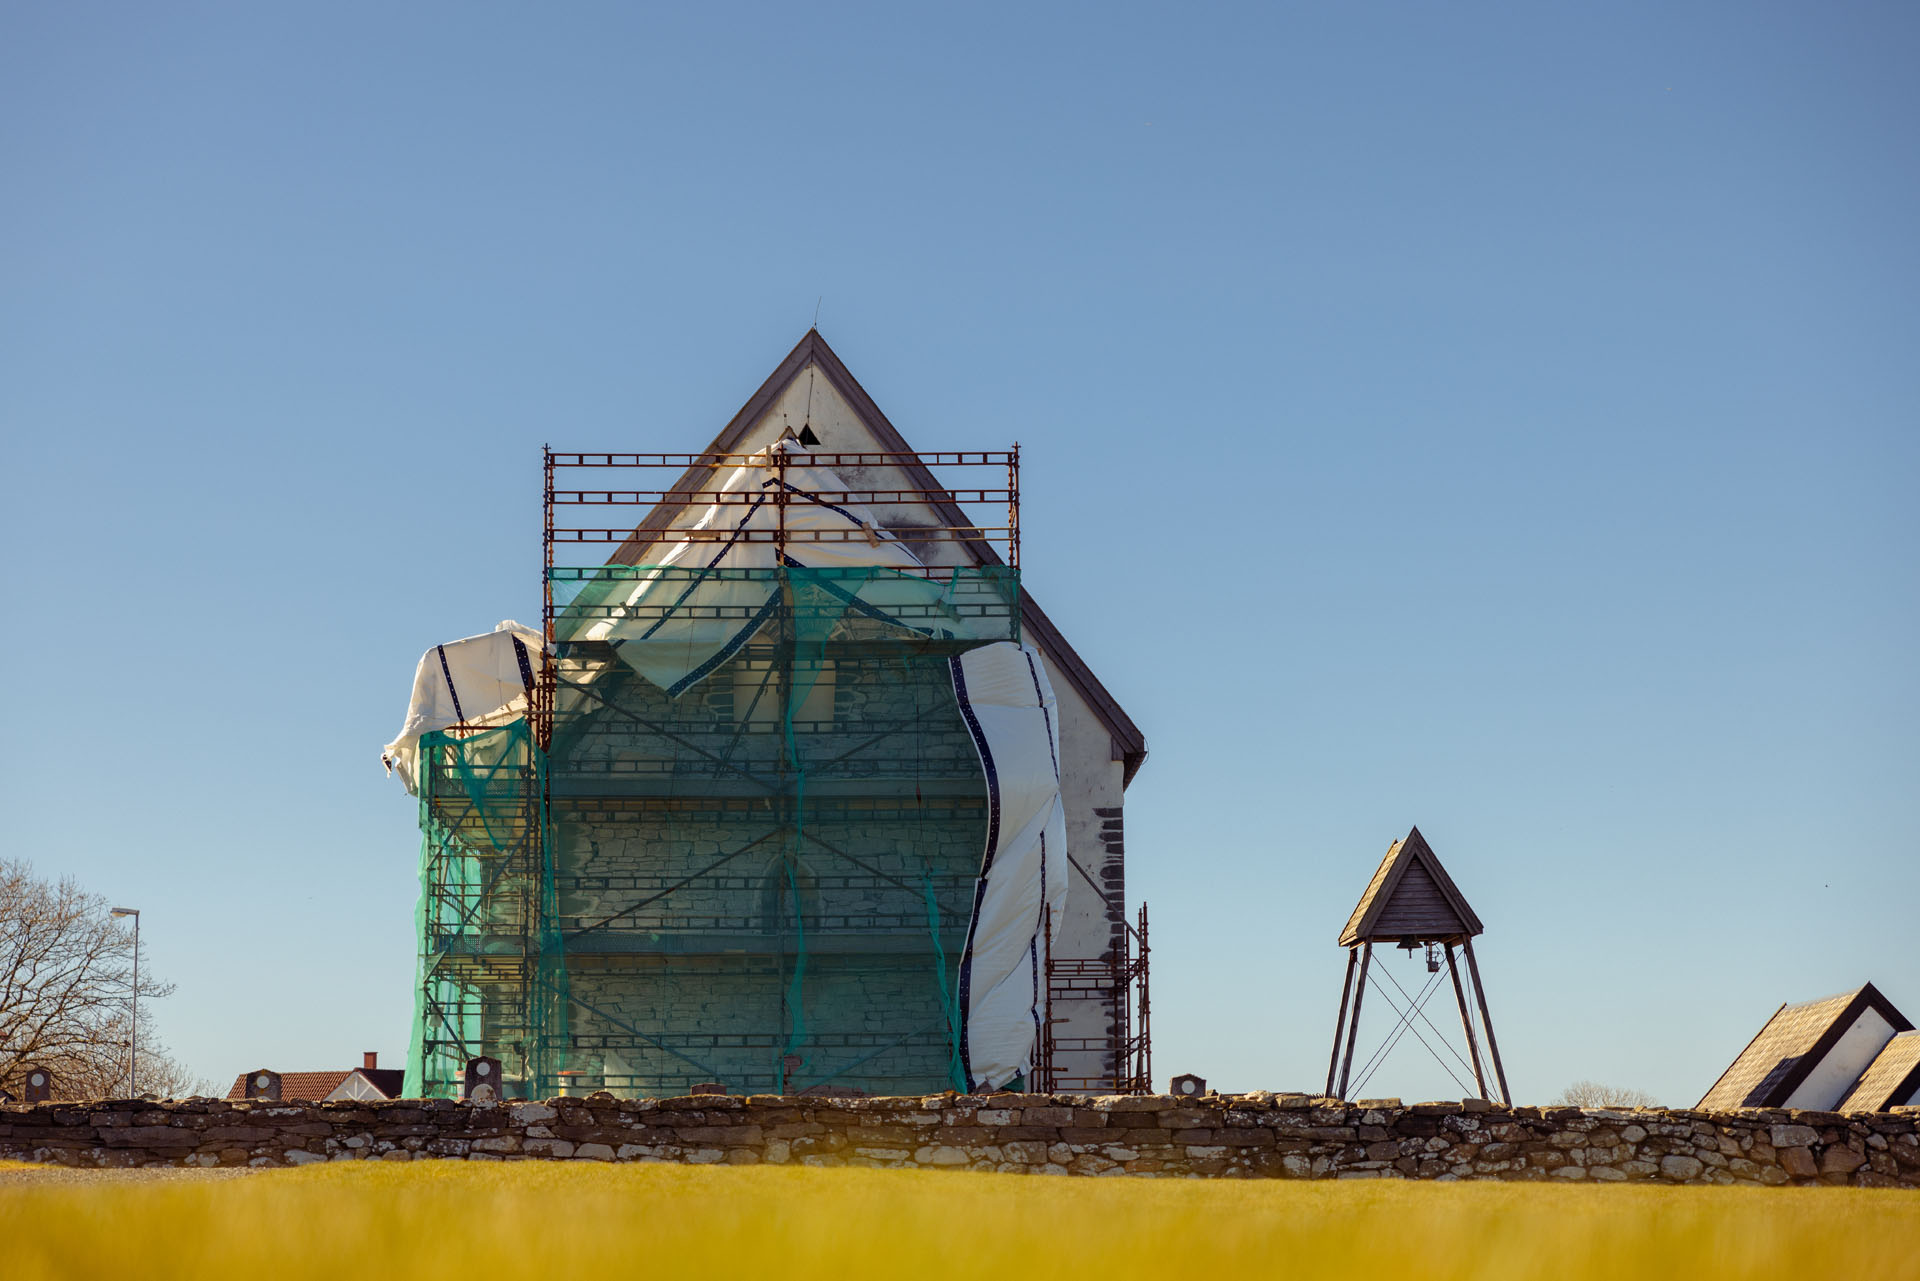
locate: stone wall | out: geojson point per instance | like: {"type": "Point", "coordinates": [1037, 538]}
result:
{"type": "Point", "coordinates": [1266, 1135]}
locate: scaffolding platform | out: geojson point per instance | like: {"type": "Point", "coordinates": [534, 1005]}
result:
{"type": "Point", "coordinates": [736, 836]}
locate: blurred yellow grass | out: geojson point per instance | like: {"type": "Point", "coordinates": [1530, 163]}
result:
{"type": "Point", "coordinates": [456, 1219]}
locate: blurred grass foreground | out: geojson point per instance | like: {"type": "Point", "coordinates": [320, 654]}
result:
{"type": "Point", "coordinates": [475, 1220]}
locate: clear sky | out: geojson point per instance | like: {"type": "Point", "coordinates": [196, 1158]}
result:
{"type": "Point", "coordinates": [1500, 418]}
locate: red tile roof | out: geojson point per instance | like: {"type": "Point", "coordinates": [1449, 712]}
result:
{"type": "Point", "coordinates": [318, 1085]}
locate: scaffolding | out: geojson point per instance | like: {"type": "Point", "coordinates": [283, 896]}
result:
{"type": "Point", "coordinates": [1115, 988]}
{"type": "Point", "coordinates": [758, 876]}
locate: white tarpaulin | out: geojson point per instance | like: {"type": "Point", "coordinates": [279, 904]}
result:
{"type": "Point", "coordinates": [1021, 892]}
{"type": "Point", "coordinates": [481, 680]}
{"type": "Point", "coordinates": [690, 609]}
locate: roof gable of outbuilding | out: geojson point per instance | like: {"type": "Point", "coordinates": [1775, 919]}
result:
{"type": "Point", "coordinates": [1410, 897]}
{"type": "Point", "coordinates": [1892, 1079]}
{"type": "Point", "coordinates": [1791, 1044]}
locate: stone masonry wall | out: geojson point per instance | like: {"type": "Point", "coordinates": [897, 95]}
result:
{"type": "Point", "coordinates": [1260, 1135]}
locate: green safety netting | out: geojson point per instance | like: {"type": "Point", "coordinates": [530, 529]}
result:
{"type": "Point", "coordinates": [745, 854]}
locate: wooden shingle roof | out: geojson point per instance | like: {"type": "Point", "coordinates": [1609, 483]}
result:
{"type": "Point", "coordinates": [1790, 1045]}
{"type": "Point", "coordinates": [1890, 1080]}
{"type": "Point", "coordinates": [1410, 897]}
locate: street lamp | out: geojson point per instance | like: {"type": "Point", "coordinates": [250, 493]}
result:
{"type": "Point", "coordinates": [133, 1038]}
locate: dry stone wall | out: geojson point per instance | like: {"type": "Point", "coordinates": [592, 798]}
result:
{"type": "Point", "coordinates": [1249, 1135]}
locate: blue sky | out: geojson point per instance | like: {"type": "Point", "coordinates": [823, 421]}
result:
{"type": "Point", "coordinates": [1499, 418]}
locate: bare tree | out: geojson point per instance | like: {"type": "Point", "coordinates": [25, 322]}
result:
{"type": "Point", "coordinates": [66, 992]}
{"type": "Point", "coordinates": [1592, 1094]}
{"type": "Point", "coordinates": [100, 1071]}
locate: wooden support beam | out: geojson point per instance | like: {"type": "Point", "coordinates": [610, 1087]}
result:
{"type": "Point", "coordinates": [1340, 1024]}
{"type": "Point", "coordinates": [1466, 1021]}
{"type": "Point", "coordinates": [1486, 1019]}
{"type": "Point", "coordinates": [1353, 1028]}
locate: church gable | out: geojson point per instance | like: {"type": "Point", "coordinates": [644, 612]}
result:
{"type": "Point", "coordinates": [812, 392]}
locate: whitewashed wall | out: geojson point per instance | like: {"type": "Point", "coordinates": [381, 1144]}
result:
{"type": "Point", "coordinates": [1835, 1074]}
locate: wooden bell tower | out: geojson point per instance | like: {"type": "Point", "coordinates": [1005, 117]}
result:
{"type": "Point", "coordinates": [1410, 903]}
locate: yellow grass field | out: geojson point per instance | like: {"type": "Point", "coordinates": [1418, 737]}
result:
{"type": "Point", "coordinates": [533, 1220]}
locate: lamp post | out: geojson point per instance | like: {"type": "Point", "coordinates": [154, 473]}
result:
{"type": "Point", "coordinates": [133, 1036]}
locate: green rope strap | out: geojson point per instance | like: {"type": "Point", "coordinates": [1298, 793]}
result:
{"type": "Point", "coordinates": [956, 1070]}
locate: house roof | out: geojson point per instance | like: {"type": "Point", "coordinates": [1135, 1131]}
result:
{"type": "Point", "coordinates": [315, 1086]}
{"type": "Point", "coordinates": [1410, 897]}
{"type": "Point", "coordinates": [1890, 1080]}
{"type": "Point", "coordinates": [1130, 745]}
{"type": "Point", "coordinates": [389, 1081]}
{"type": "Point", "coordinates": [1791, 1045]}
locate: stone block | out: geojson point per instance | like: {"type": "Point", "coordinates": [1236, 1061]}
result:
{"type": "Point", "coordinates": [150, 1136]}
{"type": "Point", "coordinates": [1054, 1116]}
{"type": "Point", "coordinates": [727, 1135]}
{"type": "Point", "coordinates": [1243, 1138]}
{"type": "Point", "coordinates": [1798, 1162]}
{"type": "Point", "coordinates": [1838, 1160]}
{"type": "Point", "coordinates": [941, 1155]}
{"type": "Point", "coordinates": [794, 1129]}
{"type": "Point", "coordinates": [1680, 1168]}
